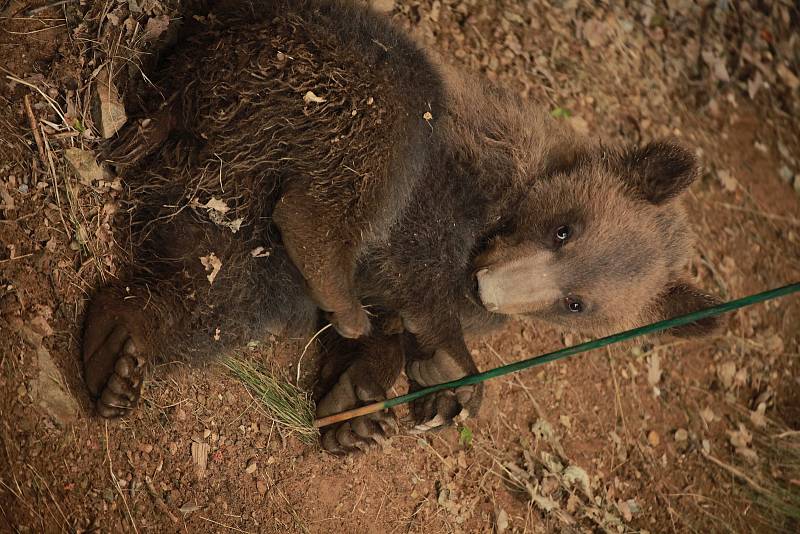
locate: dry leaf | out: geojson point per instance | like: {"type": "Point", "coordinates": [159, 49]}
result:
{"type": "Point", "coordinates": [213, 264]}
{"type": "Point", "coordinates": [84, 164]}
{"type": "Point", "coordinates": [155, 27]}
{"type": "Point", "coordinates": [574, 474]}
{"type": "Point", "coordinates": [501, 523]}
{"type": "Point", "coordinates": [260, 252]}
{"type": "Point", "coordinates": [110, 108]}
{"type": "Point", "coordinates": [728, 182]}
{"type": "Point", "coordinates": [217, 205]}
{"type": "Point", "coordinates": [311, 97]}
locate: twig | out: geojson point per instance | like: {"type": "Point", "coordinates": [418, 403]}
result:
{"type": "Point", "coordinates": [769, 216]}
{"type": "Point", "coordinates": [34, 124]}
{"type": "Point", "coordinates": [310, 341]}
{"type": "Point", "coordinates": [116, 483]}
{"type": "Point", "coordinates": [45, 7]}
{"type": "Point", "coordinates": [223, 525]}
{"type": "Point", "coordinates": [159, 501]}
{"type": "Point", "coordinates": [16, 258]}
{"type": "Point", "coordinates": [737, 473]}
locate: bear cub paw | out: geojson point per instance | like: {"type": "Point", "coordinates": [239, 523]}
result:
{"type": "Point", "coordinates": [355, 388]}
{"type": "Point", "coordinates": [441, 409]}
{"type": "Point", "coordinates": [113, 361]}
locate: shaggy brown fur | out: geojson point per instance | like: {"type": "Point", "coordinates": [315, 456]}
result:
{"type": "Point", "coordinates": [375, 179]}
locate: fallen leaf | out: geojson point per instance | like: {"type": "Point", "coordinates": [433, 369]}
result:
{"type": "Point", "coordinates": [189, 507]}
{"type": "Point", "coordinates": [217, 205]}
{"type": "Point", "coordinates": [311, 97]}
{"type": "Point", "coordinates": [213, 264]}
{"type": "Point", "coordinates": [259, 252]}
{"type": "Point", "coordinates": [110, 108]}
{"type": "Point", "coordinates": [84, 165]}
{"type": "Point", "coordinates": [574, 474]}
{"type": "Point", "coordinates": [155, 27]}
{"type": "Point", "coordinates": [727, 180]}
{"type": "Point", "coordinates": [501, 523]}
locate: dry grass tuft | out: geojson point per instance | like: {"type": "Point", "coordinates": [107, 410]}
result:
{"type": "Point", "coordinates": [286, 404]}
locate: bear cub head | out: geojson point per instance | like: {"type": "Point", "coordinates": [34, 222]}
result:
{"type": "Point", "coordinates": [598, 245]}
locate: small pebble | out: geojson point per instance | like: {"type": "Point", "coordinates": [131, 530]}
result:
{"type": "Point", "coordinates": [251, 467]}
{"type": "Point", "coordinates": [681, 435]}
{"type": "Point", "coordinates": [653, 438]}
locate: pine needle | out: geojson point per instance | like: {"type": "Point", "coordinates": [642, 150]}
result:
{"type": "Point", "coordinates": [286, 404]}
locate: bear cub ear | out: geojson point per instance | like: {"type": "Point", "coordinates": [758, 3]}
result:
{"type": "Point", "coordinates": [682, 298]}
{"type": "Point", "coordinates": [658, 171]}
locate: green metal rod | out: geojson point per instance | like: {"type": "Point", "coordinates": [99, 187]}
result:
{"type": "Point", "coordinates": [682, 320]}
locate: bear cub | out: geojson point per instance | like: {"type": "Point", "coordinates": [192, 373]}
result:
{"type": "Point", "coordinates": [301, 161]}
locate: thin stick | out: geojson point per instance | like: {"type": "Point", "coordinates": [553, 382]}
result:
{"type": "Point", "coordinates": [681, 320]}
{"type": "Point", "coordinates": [737, 473]}
{"type": "Point", "coordinates": [116, 483]}
{"type": "Point", "coordinates": [34, 124]}
{"type": "Point", "coordinates": [229, 527]}
{"type": "Point", "coordinates": [45, 7]}
{"type": "Point", "coordinates": [310, 341]}
{"type": "Point", "coordinates": [159, 501]}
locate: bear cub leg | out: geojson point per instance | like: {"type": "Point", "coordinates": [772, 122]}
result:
{"type": "Point", "coordinates": [356, 373]}
{"type": "Point", "coordinates": [436, 363]}
{"type": "Point", "coordinates": [312, 236]}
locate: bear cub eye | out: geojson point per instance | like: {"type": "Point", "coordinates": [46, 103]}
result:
{"type": "Point", "coordinates": [562, 235]}
{"type": "Point", "coordinates": [573, 305]}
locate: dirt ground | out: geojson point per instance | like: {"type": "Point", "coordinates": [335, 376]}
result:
{"type": "Point", "coordinates": [663, 436]}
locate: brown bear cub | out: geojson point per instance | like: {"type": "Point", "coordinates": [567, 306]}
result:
{"type": "Point", "coordinates": [307, 160]}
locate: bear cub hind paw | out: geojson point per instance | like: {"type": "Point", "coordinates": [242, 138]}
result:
{"type": "Point", "coordinates": [353, 389]}
{"type": "Point", "coordinates": [114, 365]}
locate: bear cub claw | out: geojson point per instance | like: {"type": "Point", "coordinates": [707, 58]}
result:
{"type": "Point", "coordinates": [355, 388]}
{"type": "Point", "coordinates": [351, 324]}
{"type": "Point", "coordinates": [442, 408]}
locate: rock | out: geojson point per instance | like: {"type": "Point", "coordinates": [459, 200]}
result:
{"type": "Point", "coordinates": [261, 487]}
{"type": "Point", "coordinates": [48, 389]}
{"type": "Point", "coordinates": [84, 165]}
{"type": "Point", "coordinates": [681, 435]}
{"type": "Point", "coordinates": [251, 467]}
{"type": "Point", "coordinates": [653, 438]}
{"type": "Point", "coordinates": [109, 109]}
